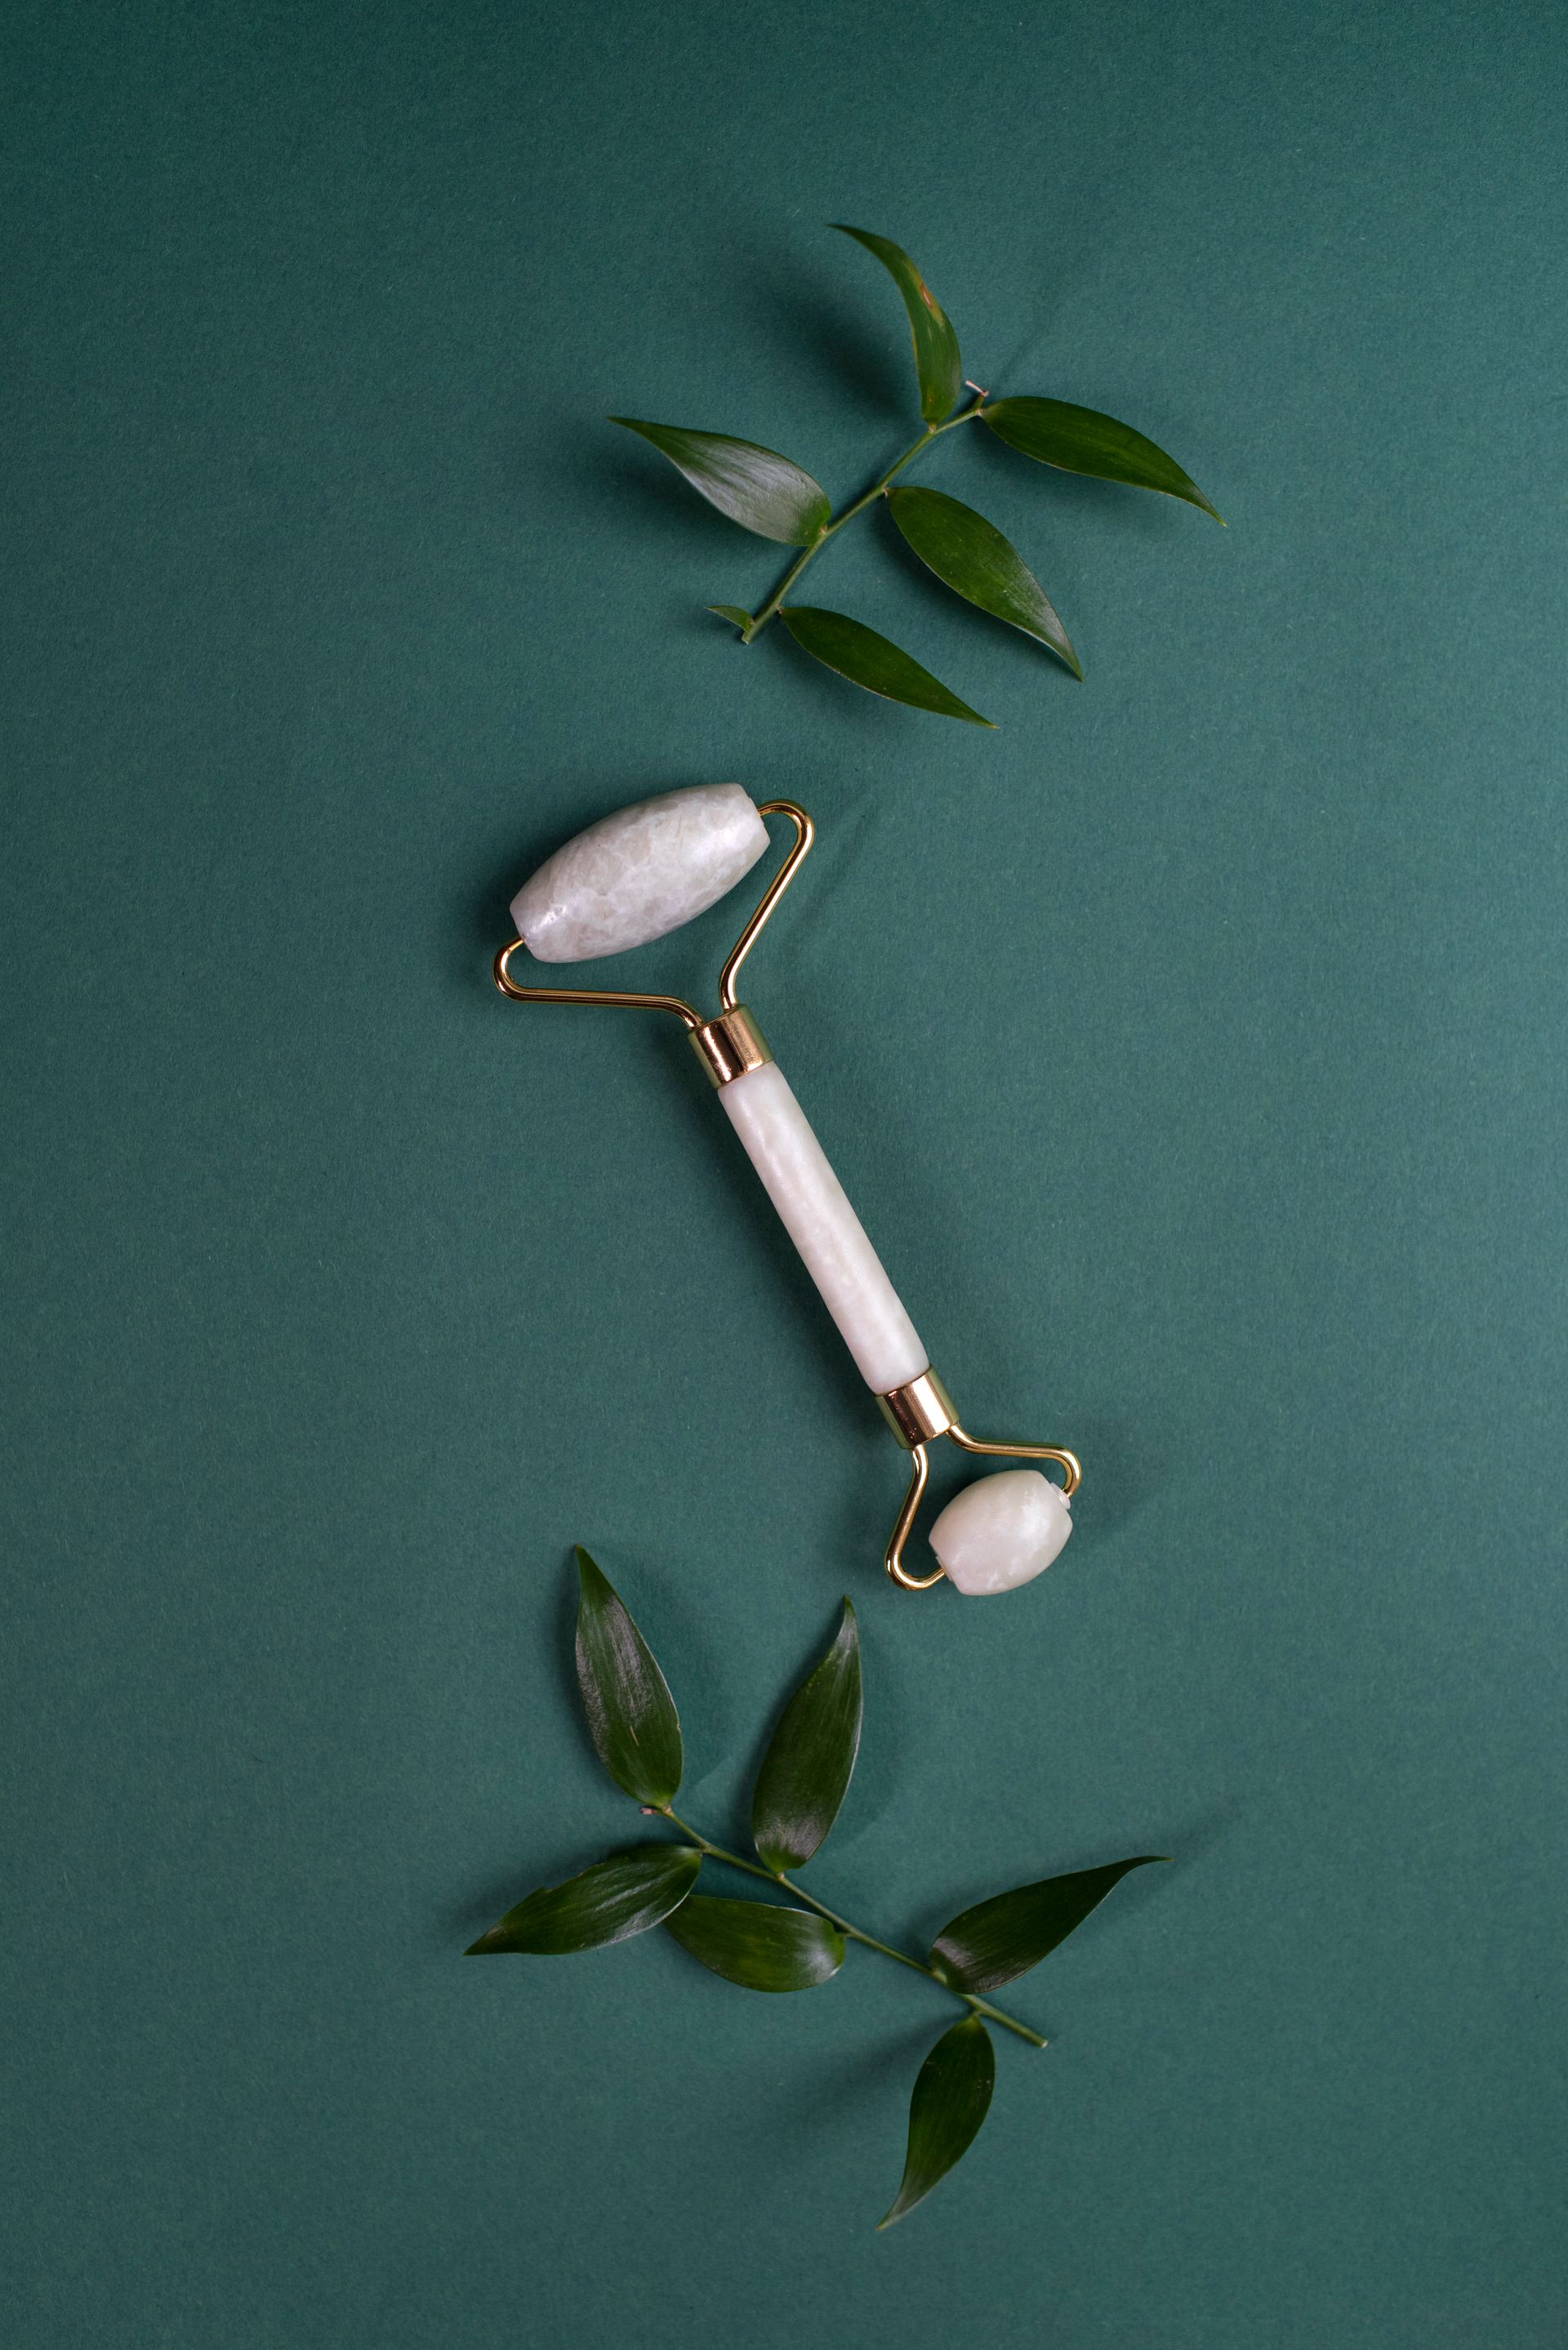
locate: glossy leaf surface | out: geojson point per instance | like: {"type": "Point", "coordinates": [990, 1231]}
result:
{"type": "Point", "coordinates": [754, 486]}
{"type": "Point", "coordinates": [866, 659]}
{"type": "Point", "coordinates": [1082, 441]}
{"type": "Point", "coordinates": [759, 1945]}
{"type": "Point", "coordinates": [608, 1903]}
{"type": "Point", "coordinates": [631, 1715]}
{"type": "Point", "coordinates": [1002, 1939]}
{"type": "Point", "coordinates": [806, 1769]}
{"type": "Point", "coordinates": [970, 555]}
{"type": "Point", "coordinates": [951, 2099]}
{"type": "Point", "coordinates": [937, 361]}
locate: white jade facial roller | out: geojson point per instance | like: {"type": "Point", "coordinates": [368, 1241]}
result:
{"type": "Point", "coordinates": [634, 877]}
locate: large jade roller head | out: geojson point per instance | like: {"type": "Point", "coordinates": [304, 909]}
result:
{"type": "Point", "coordinates": [637, 875]}
{"type": "Point", "coordinates": [641, 873]}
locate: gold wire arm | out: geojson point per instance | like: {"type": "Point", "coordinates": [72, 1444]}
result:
{"type": "Point", "coordinates": [893, 1559]}
{"type": "Point", "coordinates": [918, 1413]}
{"type": "Point", "coordinates": [1072, 1471]}
{"type": "Point", "coordinates": [617, 996]}
{"type": "Point", "coordinates": [804, 834]}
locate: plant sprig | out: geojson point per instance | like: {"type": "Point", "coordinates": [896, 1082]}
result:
{"type": "Point", "coordinates": [778, 499]}
{"type": "Point", "coordinates": [763, 1945]}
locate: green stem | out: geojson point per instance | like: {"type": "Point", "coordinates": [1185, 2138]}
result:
{"type": "Point", "coordinates": [777, 1876]}
{"type": "Point", "coordinates": [858, 505]}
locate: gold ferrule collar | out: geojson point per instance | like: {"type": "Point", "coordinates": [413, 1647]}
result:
{"type": "Point", "coordinates": [918, 1410]}
{"type": "Point", "coordinates": [731, 1045]}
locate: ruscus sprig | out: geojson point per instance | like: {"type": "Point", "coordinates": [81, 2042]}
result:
{"type": "Point", "coordinates": [767, 1945]}
{"type": "Point", "coordinates": [777, 499]}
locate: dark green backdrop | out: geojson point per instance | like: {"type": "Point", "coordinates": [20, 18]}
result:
{"type": "Point", "coordinates": [1193, 1044]}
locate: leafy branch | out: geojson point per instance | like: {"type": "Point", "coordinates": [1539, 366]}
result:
{"type": "Point", "coordinates": [778, 499]}
{"type": "Point", "coordinates": [763, 1945]}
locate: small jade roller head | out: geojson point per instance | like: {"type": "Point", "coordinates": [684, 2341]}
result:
{"type": "Point", "coordinates": [639, 874]}
{"type": "Point", "coordinates": [1002, 1531]}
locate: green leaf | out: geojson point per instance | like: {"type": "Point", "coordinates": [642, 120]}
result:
{"type": "Point", "coordinates": [608, 1903]}
{"type": "Point", "coordinates": [951, 2099]}
{"type": "Point", "coordinates": [970, 556]}
{"type": "Point", "coordinates": [936, 360]}
{"type": "Point", "coordinates": [731, 612]}
{"type": "Point", "coordinates": [866, 659]}
{"type": "Point", "coordinates": [806, 1769]}
{"type": "Point", "coordinates": [1002, 1938]}
{"type": "Point", "coordinates": [754, 486]}
{"type": "Point", "coordinates": [631, 1715]}
{"type": "Point", "coordinates": [759, 1945]}
{"type": "Point", "coordinates": [1082, 441]}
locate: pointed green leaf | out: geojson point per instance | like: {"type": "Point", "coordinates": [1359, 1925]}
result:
{"type": "Point", "coordinates": [951, 2099]}
{"type": "Point", "coordinates": [608, 1903]}
{"type": "Point", "coordinates": [806, 1769]}
{"type": "Point", "coordinates": [731, 612]}
{"type": "Point", "coordinates": [759, 1945]}
{"type": "Point", "coordinates": [936, 360]}
{"type": "Point", "coordinates": [1002, 1938]}
{"type": "Point", "coordinates": [866, 659]}
{"type": "Point", "coordinates": [754, 486]}
{"type": "Point", "coordinates": [631, 1715]}
{"type": "Point", "coordinates": [1082, 441]}
{"type": "Point", "coordinates": [970, 556]}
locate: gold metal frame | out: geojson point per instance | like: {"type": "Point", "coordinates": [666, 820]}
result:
{"type": "Point", "coordinates": [893, 1408]}
{"type": "Point", "coordinates": [692, 1020]}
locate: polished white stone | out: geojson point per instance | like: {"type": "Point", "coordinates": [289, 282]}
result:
{"type": "Point", "coordinates": [639, 873]}
{"type": "Point", "coordinates": [1002, 1531]}
{"type": "Point", "coordinates": [823, 1227]}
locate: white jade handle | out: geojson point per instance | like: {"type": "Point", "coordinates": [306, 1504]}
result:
{"type": "Point", "coordinates": [823, 1227]}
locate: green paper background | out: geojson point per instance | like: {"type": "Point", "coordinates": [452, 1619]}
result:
{"type": "Point", "coordinates": [1193, 1046]}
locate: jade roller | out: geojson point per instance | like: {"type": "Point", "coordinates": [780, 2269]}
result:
{"type": "Point", "coordinates": [636, 876]}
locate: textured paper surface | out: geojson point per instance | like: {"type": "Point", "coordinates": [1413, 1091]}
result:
{"type": "Point", "coordinates": [1192, 1045]}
